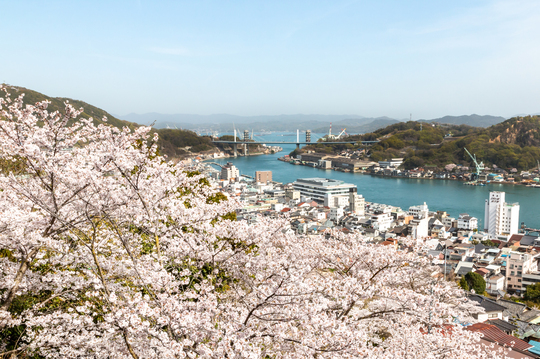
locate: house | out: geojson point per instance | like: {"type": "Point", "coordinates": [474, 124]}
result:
{"type": "Point", "coordinates": [467, 222]}
{"type": "Point", "coordinates": [484, 273]}
{"type": "Point", "coordinates": [382, 221]}
{"type": "Point", "coordinates": [495, 284]}
{"type": "Point", "coordinates": [491, 308]}
{"type": "Point", "coordinates": [502, 325]}
{"type": "Point", "coordinates": [463, 268]}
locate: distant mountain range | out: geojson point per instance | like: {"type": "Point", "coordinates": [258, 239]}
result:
{"type": "Point", "coordinates": [227, 123]}
{"type": "Point", "coordinates": [316, 123]}
{"type": "Point", "coordinates": [471, 120]}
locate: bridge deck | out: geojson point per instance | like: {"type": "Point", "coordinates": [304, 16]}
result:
{"type": "Point", "coordinates": [292, 143]}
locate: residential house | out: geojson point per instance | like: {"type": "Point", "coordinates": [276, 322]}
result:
{"type": "Point", "coordinates": [492, 310]}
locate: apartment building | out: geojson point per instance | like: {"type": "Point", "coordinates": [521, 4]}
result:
{"type": "Point", "coordinates": [517, 265]}
{"type": "Point", "coordinates": [500, 217]}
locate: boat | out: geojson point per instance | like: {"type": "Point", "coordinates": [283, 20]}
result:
{"type": "Point", "coordinates": [473, 183]}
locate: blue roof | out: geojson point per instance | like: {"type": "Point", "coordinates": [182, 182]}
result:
{"type": "Point", "coordinates": [535, 347]}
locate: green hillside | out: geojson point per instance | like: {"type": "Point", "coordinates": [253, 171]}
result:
{"type": "Point", "coordinates": [514, 143]}
{"type": "Point", "coordinates": [173, 143]}
{"type": "Point", "coordinates": [57, 104]}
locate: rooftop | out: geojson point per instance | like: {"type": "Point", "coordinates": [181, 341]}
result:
{"type": "Point", "coordinates": [322, 181]}
{"type": "Point", "coordinates": [491, 332]}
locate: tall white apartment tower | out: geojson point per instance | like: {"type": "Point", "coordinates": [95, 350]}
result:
{"type": "Point", "coordinates": [500, 218]}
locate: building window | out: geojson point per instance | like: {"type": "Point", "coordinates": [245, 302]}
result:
{"type": "Point", "coordinates": [511, 266]}
{"type": "Point", "coordinates": [519, 280]}
{"type": "Point", "coordinates": [519, 267]}
{"type": "Point", "coordinates": [512, 273]}
{"type": "Point", "coordinates": [493, 315]}
{"type": "Point", "coordinates": [519, 272]}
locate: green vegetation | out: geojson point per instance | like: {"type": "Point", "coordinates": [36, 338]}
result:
{"type": "Point", "coordinates": [514, 143]}
{"type": "Point", "coordinates": [174, 143]}
{"type": "Point", "coordinates": [463, 284]}
{"type": "Point", "coordinates": [475, 281]}
{"type": "Point", "coordinates": [57, 104]}
{"type": "Point", "coordinates": [533, 293]}
{"type": "Point", "coordinates": [489, 243]}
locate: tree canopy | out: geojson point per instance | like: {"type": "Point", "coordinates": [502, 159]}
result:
{"type": "Point", "coordinates": [533, 292]}
{"type": "Point", "coordinates": [476, 282]}
{"type": "Point", "coordinates": [107, 250]}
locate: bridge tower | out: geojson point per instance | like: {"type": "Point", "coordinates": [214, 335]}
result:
{"type": "Point", "coordinates": [235, 146]}
{"type": "Point", "coordinates": [308, 135]}
{"type": "Point", "coordinates": [246, 140]}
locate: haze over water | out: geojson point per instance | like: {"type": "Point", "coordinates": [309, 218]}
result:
{"type": "Point", "coordinates": [451, 196]}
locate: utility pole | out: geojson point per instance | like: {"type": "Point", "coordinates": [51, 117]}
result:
{"type": "Point", "coordinates": [445, 261]}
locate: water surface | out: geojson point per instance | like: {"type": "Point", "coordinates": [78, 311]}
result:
{"type": "Point", "coordinates": [451, 196]}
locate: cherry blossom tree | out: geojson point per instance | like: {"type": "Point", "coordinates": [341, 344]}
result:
{"type": "Point", "coordinates": [108, 250]}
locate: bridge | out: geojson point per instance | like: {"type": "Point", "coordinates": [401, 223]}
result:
{"type": "Point", "coordinates": [246, 141]}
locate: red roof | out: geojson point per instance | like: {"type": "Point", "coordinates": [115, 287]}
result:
{"type": "Point", "coordinates": [493, 333]}
{"type": "Point", "coordinates": [482, 271]}
{"type": "Point", "coordinates": [285, 210]}
{"type": "Point", "coordinates": [515, 238]}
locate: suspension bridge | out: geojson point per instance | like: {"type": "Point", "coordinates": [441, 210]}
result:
{"type": "Point", "coordinates": [249, 141]}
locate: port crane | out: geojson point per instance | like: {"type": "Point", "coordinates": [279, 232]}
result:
{"type": "Point", "coordinates": [479, 166]}
{"type": "Point", "coordinates": [342, 132]}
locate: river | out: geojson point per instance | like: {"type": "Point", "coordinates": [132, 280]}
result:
{"type": "Point", "coordinates": [445, 195]}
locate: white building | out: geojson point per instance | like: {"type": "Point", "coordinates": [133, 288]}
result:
{"type": "Point", "coordinates": [500, 218]}
{"type": "Point", "coordinates": [292, 194]}
{"type": "Point", "coordinates": [229, 171]}
{"type": "Point", "coordinates": [382, 221]}
{"type": "Point", "coordinates": [448, 221]}
{"type": "Point", "coordinates": [336, 214]}
{"type": "Point", "coordinates": [394, 162]}
{"type": "Point", "coordinates": [356, 203]}
{"type": "Point", "coordinates": [495, 283]}
{"type": "Point", "coordinates": [467, 222]}
{"type": "Point", "coordinates": [419, 212]}
{"type": "Point", "coordinates": [322, 189]}
{"type": "Point", "coordinates": [419, 227]}
{"type": "Point", "coordinates": [337, 201]}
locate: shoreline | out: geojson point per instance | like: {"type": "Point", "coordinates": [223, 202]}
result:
{"type": "Point", "coordinates": [365, 172]}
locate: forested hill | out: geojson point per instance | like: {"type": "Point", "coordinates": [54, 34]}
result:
{"type": "Point", "coordinates": [173, 143]}
{"type": "Point", "coordinates": [58, 104]}
{"type": "Point", "coordinates": [514, 143]}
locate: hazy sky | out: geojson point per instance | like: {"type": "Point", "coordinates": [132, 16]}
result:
{"type": "Point", "coordinates": [373, 58]}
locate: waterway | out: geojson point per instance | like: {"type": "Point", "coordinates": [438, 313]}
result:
{"type": "Point", "coordinates": [445, 195]}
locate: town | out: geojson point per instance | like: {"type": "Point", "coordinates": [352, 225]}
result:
{"type": "Point", "coordinates": [502, 254]}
